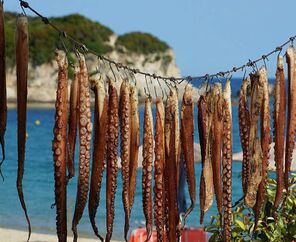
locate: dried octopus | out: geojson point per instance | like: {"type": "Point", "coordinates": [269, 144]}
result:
{"type": "Point", "coordinates": [59, 147]}
{"type": "Point", "coordinates": [100, 142]}
{"type": "Point", "coordinates": [291, 122]}
{"type": "Point", "coordinates": [279, 115]}
{"type": "Point", "coordinates": [167, 135]}
{"type": "Point", "coordinates": [172, 154]}
{"type": "Point", "coordinates": [134, 143]}
{"type": "Point", "coordinates": [73, 121]}
{"type": "Point", "coordinates": [206, 178]}
{"type": "Point", "coordinates": [3, 94]}
{"type": "Point", "coordinates": [265, 143]}
{"type": "Point", "coordinates": [227, 162]}
{"type": "Point", "coordinates": [22, 60]}
{"type": "Point", "coordinates": [111, 157]}
{"type": "Point", "coordinates": [85, 128]}
{"type": "Point", "coordinates": [217, 124]}
{"type": "Point", "coordinates": [255, 150]}
{"type": "Point", "coordinates": [159, 204]}
{"type": "Point", "coordinates": [125, 136]}
{"type": "Point", "coordinates": [147, 167]}
{"type": "Point", "coordinates": [175, 106]}
{"type": "Point", "coordinates": [244, 127]}
{"type": "Point", "coordinates": [187, 137]}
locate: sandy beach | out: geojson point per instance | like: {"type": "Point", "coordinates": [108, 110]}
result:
{"type": "Point", "coordinates": [11, 235]}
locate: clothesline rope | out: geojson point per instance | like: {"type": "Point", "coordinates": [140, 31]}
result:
{"type": "Point", "coordinates": [118, 65]}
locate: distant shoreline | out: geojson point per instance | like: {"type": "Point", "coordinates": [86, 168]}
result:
{"type": "Point", "coordinates": [37, 105]}
{"type": "Point", "coordinates": [13, 235]}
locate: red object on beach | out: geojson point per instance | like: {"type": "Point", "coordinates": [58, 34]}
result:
{"type": "Point", "coordinates": [188, 235]}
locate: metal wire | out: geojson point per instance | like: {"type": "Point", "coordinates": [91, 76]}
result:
{"type": "Point", "coordinates": [174, 80]}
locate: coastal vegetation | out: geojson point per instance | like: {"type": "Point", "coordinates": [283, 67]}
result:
{"type": "Point", "coordinates": [281, 227]}
{"type": "Point", "coordinates": [43, 39]}
{"type": "Point", "coordinates": [141, 43]}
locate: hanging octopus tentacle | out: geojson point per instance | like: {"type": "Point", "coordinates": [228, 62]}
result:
{"type": "Point", "coordinates": [206, 178]}
{"type": "Point", "coordinates": [255, 149]}
{"type": "Point", "coordinates": [125, 136]}
{"type": "Point", "coordinates": [159, 204]}
{"type": "Point", "coordinates": [265, 144]}
{"type": "Point", "coordinates": [167, 135]}
{"type": "Point", "coordinates": [291, 121]}
{"type": "Point", "coordinates": [227, 163]}
{"type": "Point", "coordinates": [171, 166]}
{"type": "Point", "coordinates": [147, 167]}
{"type": "Point", "coordinates": [187, 136]}
{"type": "Point", "coordinates": [217, 125]}
{"type": "Point", "coordinates": [111, 157]}
{"type": "Point", "coordinates": [134, 143]}
{"type": "Point", "coordinates": [73, 121]}
{"type": "Point", "coordinates": [175, 106]}
{"type": "Point", "coordinates": [100, 135]}
{"type": "Point", "coordinates": [244, 127]}
{"type": "Point", "coordinates": [59, 147]}
{"type": "Point", "coordinates": [22, 60]}
{"type": "Point", "coordinates": [279, 115]}
{"type": "Point", "coordinates": [85, 128]}
{"type": "Point", "coordinates": [3, 94]}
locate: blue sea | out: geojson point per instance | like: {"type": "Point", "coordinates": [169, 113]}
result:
{"type": "Point", "coordinates": [38, 181]}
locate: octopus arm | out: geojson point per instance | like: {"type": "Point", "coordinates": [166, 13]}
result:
{"type": "Point", "coordinates": [279, 115]}
{"type": "Point", "coordinates": [147, 167]}
{"type": "Point", "coordinates": [3, 92]}
{"type": "Point", "coordinates": [73, 121]}
{"type": "Point", "coordinates": [22, 61]}
{"type": "Point", "coordinates": [159, 202]}
{"type": "Point", "coordinates": [111, 157]}
{"type": "Point", "coordinates": [187, 141]}
{"type": "Point", "coordinates": [125, 139]}
{"type": "Point", "coordinates": [85, 128]}
{"type": "Point", "coordinates": [99, 149]}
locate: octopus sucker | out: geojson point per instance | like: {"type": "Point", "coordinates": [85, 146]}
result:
{"type": "Point", "coordinates": [85, 128]}
{"type": "Point", "coordinates": [291, 121]}
{"type": "Point", "coordinates": [22, 61]}
{"type": "Point", "coordinates": [217, 129]}
{"type": "Point", "coordinates": [3, 94]}
{"type": "Point", "coordinates": [255, 153]}
{"type": "Point", "coordinates": [111, 158]}
{"type": "Point", "coordinates": [187, 141]}
{"type": "Point", "coordinates": [125, 137]}
{"type": "Point", "coordinates": [244, 127]}
{"type": "Point", "coordinates": [265, 143]}
{"type": "Point", "coordinates": [159, 150]}
{"type": "Point", "coordinates": [73, 121]}
{"type": "Point", "coordinates": [99, 152]}
{"type": "Point", "coordinates": [134, 143]}
{"type": "Point", "coordinates": [279, 115]}
{"type": "Point", "coordinates": [147, 167]}
{"type": "Point", "coordinates": [227, 162]}
{"type": "Point", "coordinates": [206, 179]}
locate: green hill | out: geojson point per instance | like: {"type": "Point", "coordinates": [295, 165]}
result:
{"type": "Point", "coordinates": [43, 39]}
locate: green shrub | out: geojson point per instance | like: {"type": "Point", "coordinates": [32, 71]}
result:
{"type": "Point", "coordinates": [141, 43]}
{"type": "Point", "coordinates": [43, 39]}
{"type": "Point", "coordinates": [279, 229]}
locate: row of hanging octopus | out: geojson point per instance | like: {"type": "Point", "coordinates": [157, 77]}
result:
{"type": "Point", "coordinates": [165, 138]}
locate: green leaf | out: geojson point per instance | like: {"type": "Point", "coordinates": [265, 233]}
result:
{"type": "Point", "coordinates": [240, 224]}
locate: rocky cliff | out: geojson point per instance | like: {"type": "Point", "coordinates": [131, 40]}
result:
{"type": "Point", "coordinates": [137, 50]}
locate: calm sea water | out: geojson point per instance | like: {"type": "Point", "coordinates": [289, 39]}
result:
{"type": "Point", "coordinates": [38, 181]}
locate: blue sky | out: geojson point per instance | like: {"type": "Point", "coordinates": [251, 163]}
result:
{"type": "Point", "coordinates": [207, 35]}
